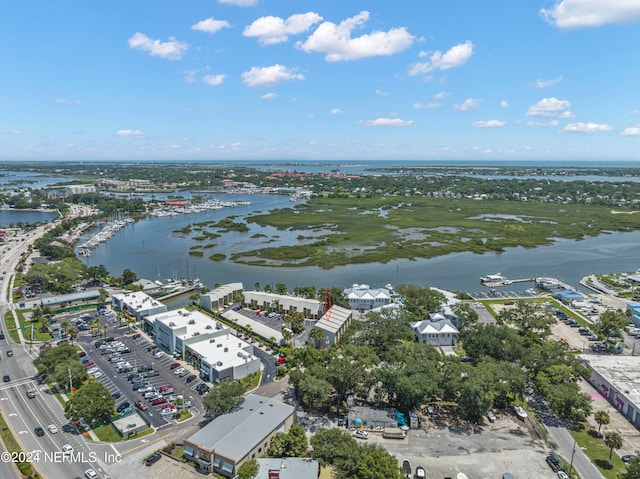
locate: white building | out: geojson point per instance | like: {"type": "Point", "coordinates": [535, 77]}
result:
{"type": "Point", "coordinates": [334, 323]}
{"type": "Point", "coordinates": [174, 330]}
{"type": "Point", "coordinates": [137, 303]}
{"type": "Point", "coordinates": [311, 308]}
{"type": "Point", "coordinates": [79, 189]}
{"type": "Point", "coordinates": [222, 358]}
{"type": "Point", "coordinates": [436, 332]}
{"type": "Point", "coordinates": [219, 297]}
{"type": "Point", "coordinates": [362, 298]}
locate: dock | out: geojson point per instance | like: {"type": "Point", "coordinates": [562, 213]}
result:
{"type": "Point", "coordinates": [507, 282]}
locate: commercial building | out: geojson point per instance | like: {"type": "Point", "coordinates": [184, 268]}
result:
{"type": "Point", "coordinates": [219, 297]}
{"type": "Point", "coordinates": [633, 309]}
{"type": "Point", "coordinates": [288, 468]}
{"type": "Point", "coordinates": [311, 308]}
{"type": "Point", "coordinates": [174, 330]}
{"type": "Point", "coordinates": [362, 298]}
{"type": "Point", "coordinates": [223, 445]}
{"type": "Point", "coordinates": [224, 357]}
{"type": "Point", "coordinates": [137, 303]}
{"type": "Point", "coordinates": [618, 380]}
{"type": "Point", "coordinates": [69, 298]}
{"type": "Point", "coordinates": [334, 323]}
{"type": "Point", "coordinates": [258, 328]}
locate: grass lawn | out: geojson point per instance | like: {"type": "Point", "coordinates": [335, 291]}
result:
{"type": "Point", "coordinates": [146, 432]}
{"type": "Point", "coordinates": [597, 451]}
{"type": "Point", "coordinates": [107, 434]}
{"type": "Point", "coordinates": [251, 382]}
{"type": "Point", "coordinates": [184, 415]}
{"type": "Point", "coordinates": [11, 445]}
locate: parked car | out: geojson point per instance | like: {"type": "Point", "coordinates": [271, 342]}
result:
{"type": "Point", "coordinates": [6, 378]}
{"type": "Point", "coordinates": [142, 406]}
{"type": "Point", "coordinates": [160, 400]}
{"type": "Point", "coordinates": [158, 354]}
{"type": "Point", "coordinates": [628, 457]}
{"type": "Point", "coordinates": [190, 378]}
{"type": "Point", "coordinates": [562, 475]}
{"type": "Point", "coordinates": [554, 463]}
{"type": "Point", "coordinates": [178, 371]}
{"type": "Point", "coordinates": [361, 434]}
{"type": "Point", "coordinates": [152, 459]}
{"type": "Point", "coordinates": [280, 361]}
{"type": "Point", "coordinates": [151, 374]}
{"type": "Point", "coordinates": [123, 406]}
{"type": "Point", "coordinates": [136, 336]}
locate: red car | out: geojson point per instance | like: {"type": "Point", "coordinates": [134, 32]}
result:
{"type": "Point", "coordinates": [280, 361]}
{"type": "Point", "coordinates": [174, 366]}
{"type": "Point", "coordinates": [136, 336]}
{"type": "Point", "coordinates": [142, 406]}
{"type": "Point", "coordinates": [89, 363]}
{"type": "Point", "coordinates": [157, 401]}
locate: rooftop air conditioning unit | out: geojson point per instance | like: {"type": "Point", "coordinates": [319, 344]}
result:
{"type": "Point", "coordinates": [219, 345]}
{"type": "Point", "coordinates": [219, 363]}
{"type": "Point", "coordinates": [197, 333]}
{"type": "Point", "coordinates": [192, 321]}
{"type": "Point", "coordinates": [172, 324]}
{"type": "Point", "coordinates": [240, 355]}
{"type": "Point", "coordinates": [226, 350]}
{"type": "Point", "coordinates": [208, 326]}
{"type": "Point", "coordinates": [212, 340]}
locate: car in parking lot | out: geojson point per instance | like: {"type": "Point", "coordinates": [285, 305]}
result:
{"type": "Point", "coordinates": [152, 459]}
{"type": "Point", "coordinates": [123, 406]}
{"type": "Point", "coordinates": [9, 354]}
{"type": "Point", "coordinates": [116, 395]}
{"type": "Point", "coordinates": [160, 400]}
{"type": "Point", "coordinates": [360, 434]}
{"type": "Point", "coordinates": [562, 475]}
{"type": "Point", "coordinates": [158, 354]}
{"type": "Point", "coordinates": [6, 378]}
{"type": "Point", "coordinates": [190, 378]}
{"type": "Point", "coordinates": [39, 431]}
{"type": "Point", "coordinates": [138, 385]}
{"type": "Point", "coordinates": [142, 406]}
{"type": "Point", "coordinates": [174, 366]}
{"type": "Point", "coordinates": [136, 336]}
{"type": "Point", "coordinates": [151, 374]}
{"type": "Point", "coordinates": [628, 457]}
{"type": "Point", "coordinates": [179, 371]}
{"type": "Point", "coordinates": [89, 363]}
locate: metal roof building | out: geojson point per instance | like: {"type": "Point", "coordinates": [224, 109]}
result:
{"type": "Point", "coordinates": [334, 323]}
{"type": "Point", "coordinates": [70, 298]}
{"type": "Point", "coordinates": [224, 444]}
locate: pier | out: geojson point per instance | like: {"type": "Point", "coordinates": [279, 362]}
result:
{"type": "Point", "coordinates": [507, 282]}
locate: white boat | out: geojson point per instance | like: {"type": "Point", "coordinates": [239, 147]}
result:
{"type": "Point", "coordinates": [493, 278]}
{"type": "Point", "coordinates": [420, 474]}
{"type": "Point", "coordinates": [521, 412]}
{"type": "Point", "coordinates": [461, 475]}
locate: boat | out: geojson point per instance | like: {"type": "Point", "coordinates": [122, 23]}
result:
{"type": "Point", "coordinates": [521, 412]}
{"type": "Point", "coordinates": [420, 474]}
{"type": "Point", "coordinates": [493, 278]}
{"type": "Point", "coordinates": [461, 475]}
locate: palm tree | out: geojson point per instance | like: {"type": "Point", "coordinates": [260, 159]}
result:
{"type": "Point", "coordinates": [286, 335]}
{"type": "Point", "coordinates": [66, 326]}
{"type": "Point", "coordinates": [602, 418]}
{"type": "Point", "coordinates": [317, 335]}
{"type": "Point", "coordinates": [257, 285]}
{"type": "Point", "coordinates": [613, 440]}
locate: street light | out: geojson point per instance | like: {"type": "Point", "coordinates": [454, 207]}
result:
{"type": "Point", "coordinates": [572, 454]}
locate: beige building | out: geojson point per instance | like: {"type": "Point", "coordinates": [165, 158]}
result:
{"type": "Point", "coordinates": [334, 323]}
{"type": "Point", "coordinates": [311, 308]}
{"type": "Point", "coordinates": [221, 296]}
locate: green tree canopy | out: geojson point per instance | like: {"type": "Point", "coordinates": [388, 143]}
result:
{"type": "Point", "coordinates": [248, 470]}
{"type": "Point", "coordinates": [224, 397]}
{"type": "Point", "coordinates": [93, 402]}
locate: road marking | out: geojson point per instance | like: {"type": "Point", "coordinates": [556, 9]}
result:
{"type": "Point", "coordinates": [4, 399]}
{"type": "Point", "coordinates": [23, 432]}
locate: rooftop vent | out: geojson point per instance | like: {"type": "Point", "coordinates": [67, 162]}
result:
{"type": "Point", "coordinates": [208, 326]}
{"type": "Point", "coordinates": [172, 324]}
{"type": "Point", "coordinates": [226, 350]}
{"type": "Point", "coordinates": [192, 321]}
{"type": "Point", "coordinates": [212, 340]}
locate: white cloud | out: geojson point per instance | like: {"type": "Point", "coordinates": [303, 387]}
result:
{"type": "Point", "coordinates": [270, 30]}
{"type": "Point", "coordinates": [587, 127]}
{"type": "Point", "coordinates": [268, 96]}
{"type": "Point", "coordinates": [454, 57]}
{"type": "Point", "coordinates": [546, 83]}
{"type": "Point", "coordinates": [381, 93]}
{"type": "Point", "coordinates": [270, 76]}
{"type": "Point", "coordinates": [336, 42]}
{"type": "Point", "coordinates": [210, 25]}
{"type": "Point", "coordinates": [567, 114]}
{"type": "Point", "coordinates": [543, 124]}
{"type": "Point", "coordinates": [528, 148]}
{"type": "Point", "coordinates": [504, 104]}
{"type": "Point", "coordinates": [591, 13]}
{"type": "Point", "coordinates": [548, 107]}
{"type": "Point", "coordinates": [171, 50]}
{"type": "Point", "coordinates": [387, 122]}
{"type": "Point", "coordinates": [488, 124]}
{"type": "Point", "coordinates": [132, 133]}
{"type": "Point", "coordinates": [441, 95]}
{"type": "Point", "coordinates": [427, 106]}
{"type": "Point", "coordinates": [468, 104]}
{"type": "Point", "coordinates": [6, 131]}
{"type": "Point", "coordinates": [634, 112]}
{"type": "Point", "coordinates": [336, 111]}
{"type": "Point", "coordinates": [62, 101]}
{"type": "Point", "coordinates": [213, 80]}
{"type": "Point", "coordinates": [240, 3]}
{"type": "Point", "coordinates": [631, 131]}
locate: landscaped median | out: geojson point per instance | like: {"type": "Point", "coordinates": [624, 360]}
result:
{"type": "Point", "coordinates": [598, 452]}
{"type": "Point", "coordinates": [13, 448]}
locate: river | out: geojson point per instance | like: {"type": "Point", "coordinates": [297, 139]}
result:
{"type": "Point", "coordinates": [151, 249]}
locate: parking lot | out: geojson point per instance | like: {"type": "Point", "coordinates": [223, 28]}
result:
{"type": "Point", "coordinates": [127, 365]}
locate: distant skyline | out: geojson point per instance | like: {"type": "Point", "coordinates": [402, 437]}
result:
{"type": "Point", "coordinates": [243, 80]}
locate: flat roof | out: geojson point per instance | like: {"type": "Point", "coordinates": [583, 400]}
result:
{"type": "Point", "coordinates": [288, 467]}
{"type": "Point", "coordinates": [257, 327]}
{"type": "Point", "coordinates": [137, 300]}
{"type": "Point", "coordinates": [622, 372]}
{"type": "Point", "coordinates": [237, 433]}
{"type": "Point", "coordinates": [333, 320]}
{"type": "Point", "coordinates": [213, 351]}
{"type": "Point", "coordinates": [193, 321]}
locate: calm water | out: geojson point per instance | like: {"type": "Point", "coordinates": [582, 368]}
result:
{"type": "Point", "coordinates": [13, 217]}
{"type": "Point", "coordinates": [151, 250]}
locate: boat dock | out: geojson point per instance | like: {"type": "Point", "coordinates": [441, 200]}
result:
{"type": "Point", "coordinates": [506, 282]}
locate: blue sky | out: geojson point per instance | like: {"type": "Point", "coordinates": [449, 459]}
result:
{"type": "Point", "coordinates": [229, 80]}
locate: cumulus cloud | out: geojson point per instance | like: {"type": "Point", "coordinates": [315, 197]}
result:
{"type": "Point", "coordinates": [210, 25]}
{"type": "Point", "coordinates": [336, 111]}
{"type": "Point", "coordinates": [456, 56]}
{"type": "Point", "coordinates": [6, 131]}
{"type": "Point", "coordinates": [132, 133]}
{"type": "Point", "coordinates": [631, 131]}
{"type": "Point", "coordinates": [547, 83]}
{"type": "Point", "coordinates": [567, 114]}
{"type": "Point", "coordinates": [488, 124]}
{"type": "Point", "coordinates": [240, 3]}
{"type": "Point", "coordinates": [270, 30]}
{"type": "Point", "coordinates": [387, 122]}
{"type": "Point", "coordinates": [335, 40]}
{"type": "Point", "coordinates": [270, 76]}
{"type": "Point", "coordinates": [171, 50]}
{"type": "Point", "coordinates": [504, 104]}
{"type": "Point", "coordinates": [587, 127]}
{"type": "Point", "coordinates": [427, 106]}
{"type": "Point", "coordinates": [468, 104]}
{"type": "Point", "coordinates": [213, 80]}
{"type": "Point", "coordinates": [591, 13]}
{"type": "Point", "coordinates": [268, 96]}
{"type": "Point", "coordinates": [381, 93]}
{"type": "Point", "coordinates": [543, 123]}
{"type": "Point", "coordinates": [548, 107]}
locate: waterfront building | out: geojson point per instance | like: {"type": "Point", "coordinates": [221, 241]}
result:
{"type": "Point", "coordinates": [231, 439]}
{"type": "Point", "coordinates": [224, 357]}
{"type": "Point", "coordinates": [334, 323]}
{"type": "Point", "coordinates": [362, 298]}
{"type": "Point", "coordinates": [633, 310]}
{"type": "Point", "coordinates": [79, 190]}
{"type": "Point", "coordinates": [436, 331]}
{"type": "Point", "coordinates": [148, 286]}
{"type": "Point", "coordinates": [216, 300]}
{"type": "Point", "coordinates": [311, 308]}
{"type": "Point", "coordinates": [137, 303]}
{"type": "Point", "coordinates": [70, 298]}
{"type": "Point", "coordinates": [174, 330]}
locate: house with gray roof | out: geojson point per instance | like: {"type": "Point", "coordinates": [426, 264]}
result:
{"type": "Point", "coordinates": [334, 323]}
{"type": "Point", "coordinates": [362, 298]}
{"type": "Point", "coordinates": [231, 439]}
{"type": "Point", "coordinates": [436, 332]}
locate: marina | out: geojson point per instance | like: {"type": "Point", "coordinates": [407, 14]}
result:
{"type": "Point", "coordinates": [497, 280]}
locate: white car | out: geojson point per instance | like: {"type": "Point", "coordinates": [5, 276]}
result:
{"type": "Point", "coordinates": [158, 354]}
{"type": "Point", "coordinates": [179, 371]}
{"type": "Point", "coordinates": [360, 434]}
{"type": "Point", "coordinates": [90, 474]}
{"type": "Point", "coordinates": [93, 370]}
{"type": "Point", "coordinates": [52, 428]}
{"type": "Point", "coordinates": [67, 449]}
{"type": "Point", "coordinates": [562, 475]}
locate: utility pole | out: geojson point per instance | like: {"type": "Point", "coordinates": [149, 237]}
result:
{"type": "Point", "coordinates": [572, 454]}
{"type": "Point", "coordinates": [70, 381]}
